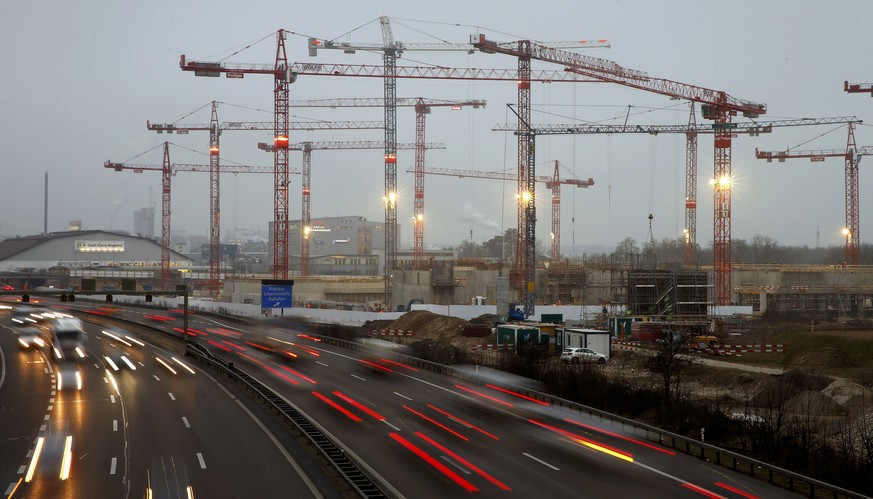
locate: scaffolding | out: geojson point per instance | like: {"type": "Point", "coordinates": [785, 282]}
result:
{"type": "Point", "coordinates": [668, 294]}
{"type": "Point", "coordinates": [564, 282]}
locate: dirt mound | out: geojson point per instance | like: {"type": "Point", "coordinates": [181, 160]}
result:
{"type": "Point", "coordinates": [813, 404]}
{"type": "Point", "coordinates": [824, 358]}
{"type": "Point", "coordinates": [428, 325]}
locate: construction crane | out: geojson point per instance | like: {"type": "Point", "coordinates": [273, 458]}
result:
{"type": "Point", "coordinates": [691, 130]}
{"type": "Point", "coordinates": [215, 128]}
{"type": "Point", "coordinates": [852, 157]}
{"type": "Point", "coordinates": [306, 190]}
{"type": "Point", "coordinates": [858, 88]}
{"type": "Point", "coordinates": [716, 105]}
{"type": "Point", "coordinates": [391, 50]}
{"type": "Point", "coordinates": [422, 109]}
{"type": "Point", "coordinates": [168, 170]}
{"type": "Point", "coordinates": [282, 78]}
{"type": "Point", "coordinates": [553, 183]}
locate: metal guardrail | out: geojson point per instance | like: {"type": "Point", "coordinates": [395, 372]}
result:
{"type": "Point", "coordinates": [774, 475]}
{"type": "Point", "coordinates": [357, 479]}
{"type": "Point", "coordinates": [761, 470]}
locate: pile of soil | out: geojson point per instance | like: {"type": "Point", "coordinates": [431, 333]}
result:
{"type": "Point", "coordinates": [827, 358]}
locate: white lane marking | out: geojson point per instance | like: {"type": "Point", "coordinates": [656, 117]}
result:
{"type": "Point", "coordinates": [391, 425]}
{"type": "Point", "coordinates": [97, 366]}
{"type": "Point", "coordinates": [54, 392]}
{"type": "Point", "coordinates": [171, 395]}
{"type": "Point", "coordinates": [112, 398]}
{"type": "Point", "coordinates": [112, 465]}
{"type": "Point", "coordinates": [50, 407]}
{"type": "Point", "coordinates": [322, 363]}
{"type": "Point", "coordinates": [42, 428]}
{"type": "Point", "coordinates": [105, 380]}
{"type": "Point", "coordinates": [185, 421]}
{"type": "Point", "coordinates": [156, 377]}
{"type": "Point", "coordinates": [456, 465]}
{"type": "Point", "coordinates": [46, 418]}
{"type": "Point", "coordinates": [360, 378]}
{"type": "Point", "coordinates": [202, 462]}
{"type": "Point", "coordinates": [46, 370]}
{"type": "Point", "coordinates": [21, 469]}
{"type": "Point", "coordinates": [140, 363]}
{"type": "Point", "coordinates": [52, 400]}
{"type": "Point", "coordinates": [12, 486]}
{"type": "Point", "coordinates": [541, 461]}
{"type": "Point", "coordinates": [114, 425]}
{"type": "Point", "coordinates": [402, 395]}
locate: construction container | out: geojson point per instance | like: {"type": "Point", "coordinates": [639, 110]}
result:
{"type": "Point", "coordinates": [518, 335]}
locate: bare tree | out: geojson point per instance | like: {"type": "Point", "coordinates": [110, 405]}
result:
{"type": "Point", "coordinates": [670, 360]}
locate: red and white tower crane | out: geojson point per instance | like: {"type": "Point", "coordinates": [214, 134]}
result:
{"type": "Point", "coordinates": [391, 50]}
{"type": "Point", "coordinates": [282, 79]}
{"type": "Point", "coordinates": [167, 170]}
{"type": "Point", "coordinates": [306, 188]}
{"type": "Point", "coordinates": [422, 109]}
{"type": "Point", "coordinates": [691, 130]}
{"type": "Point", "coordinates": [717, 106]}
{"type": "Point", "coordinates": [553, 183]}
{"type": "Point", "coordinates": [852, 157]}
{"type": "Point", "coordinates": [215, 128]}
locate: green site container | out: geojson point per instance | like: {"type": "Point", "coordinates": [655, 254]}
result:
{"type": "Point", "coordinates": [519, 336]}
{"type": "Point", "coordinates": [552, 318]}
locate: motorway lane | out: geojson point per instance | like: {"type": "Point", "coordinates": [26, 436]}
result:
{"type": "Point", "coordinates": [428, 435]}
{"type": "Point", "coordinates": [404, 426]}
{"type": "Point", "coordinates": [142, 433]}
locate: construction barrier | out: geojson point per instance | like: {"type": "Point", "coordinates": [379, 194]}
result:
{"type": "Point", "coordinates": [737, 350]}
{"type": "Point", "coordinates": [492, 346]}
{"type": "Point", "coordinates": [391, 332]}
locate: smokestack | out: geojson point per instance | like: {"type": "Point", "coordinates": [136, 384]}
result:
{"type": "Point", "coordinates": [45, 208]}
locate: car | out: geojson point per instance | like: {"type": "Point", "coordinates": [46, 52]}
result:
{"type": "Point", "coordinates": [578, 355]}
{"type": "Point", "coordinates": [30, 337]}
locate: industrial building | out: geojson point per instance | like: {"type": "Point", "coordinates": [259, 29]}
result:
{"type": "Point", "coordinates": [62, 259]}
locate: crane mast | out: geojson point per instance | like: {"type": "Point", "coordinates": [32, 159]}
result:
{"type": "Point", "coordinates": [719, 107]}
{"type": "Point", "coordinates": [852, 158]}
{"type": "Point", "coordinates": [167, 170]}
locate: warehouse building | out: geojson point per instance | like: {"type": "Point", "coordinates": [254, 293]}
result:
{"type": "Point", "coordinates": [62, 259]}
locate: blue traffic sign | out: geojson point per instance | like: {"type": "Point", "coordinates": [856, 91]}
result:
{"type": "Point", "coordinates": [276, 293]}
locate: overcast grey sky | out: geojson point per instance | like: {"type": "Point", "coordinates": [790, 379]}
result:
{"type": "Point", "coordinates": [80, 79]}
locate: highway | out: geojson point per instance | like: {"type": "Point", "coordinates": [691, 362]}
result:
{"type": "Point", "coordinates": [416, 433]}
{"type": "Point", "coordinates": [158, 427]}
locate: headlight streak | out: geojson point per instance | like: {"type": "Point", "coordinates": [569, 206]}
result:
{"type": "Point", "coordinates": [349, 414]}
{"type": "Point", "coordinates": [169, 368]}
{"type": "Point", "coordinates": [177, 361]}
{"type": "Point", "coordinates": [135, 341]}
{"type": "Point", "coordinates": [114, 383]}
{"type": "Point", "coordinates": [469, 487]}
{"type": "Point", "coordinates": [370, 412]}
{"type": "Point", "coordinates": [68, 458]}
{"type": "Point", "coordinates": [39, 342]}
{"type": "Point", "coordinates": [588, 443]}
{"type": "Point", "coordinates": [308, 350]}
{"type": "Point", "coordinates": [622, 437]}
{"type": "Point", "coordinates": [80, 352]}
{"type": "Point", "coordinates": [189, 490]}
{"type": "Point", "coordinates": [431, 420]}
{"type": "Point", "coordinates": [116, 338]}
{"type": "Point", "coordinates": [111, 363]}
{"type": "Point", "coordinates": [465, 423]}
{"type": "Point", "coordinates": [58, 353]}
{"type": "Point", "coordinates": [78, 380]}
{"type": "Point", "coordinates": [128, 362]}
{"type": "Point", "coordinates": [514, 394]}
{"type": "Point", "coordinates": [483, 395]}
{"type": "Point", "coordinates": [23, 343]}
{"type": "Point", "coordinates": [463, 461]}
{"type": "Point", "coordinates": [34, 459]}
